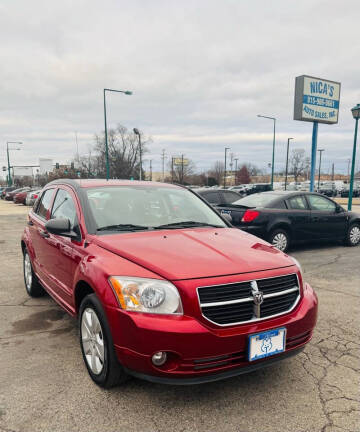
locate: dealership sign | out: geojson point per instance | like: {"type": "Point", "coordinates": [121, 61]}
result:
{"type": "Point", "coordinates": [316, 100]}
{"type": "Point", "coordinates": [180, 161]}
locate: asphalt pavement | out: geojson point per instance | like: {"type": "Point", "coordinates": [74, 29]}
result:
{"type": "Point", "coordinates": [44, 385]}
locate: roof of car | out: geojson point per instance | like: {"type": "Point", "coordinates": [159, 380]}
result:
{"type": "Point", "coordinates": [90, 183]}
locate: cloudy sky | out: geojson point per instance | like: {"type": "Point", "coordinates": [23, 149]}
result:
{"type": "Point", "coordinates": [200, 70]}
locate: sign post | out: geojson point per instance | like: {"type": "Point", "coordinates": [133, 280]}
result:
{"type": "Point", "coordinates": [316, 100]}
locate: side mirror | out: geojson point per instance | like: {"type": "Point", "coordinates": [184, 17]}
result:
{"type": "Point", "coordinates": [60, 227]}
{"type": "Point", "coordinates": [339, 209]}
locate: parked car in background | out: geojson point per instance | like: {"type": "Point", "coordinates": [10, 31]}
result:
{"type": "Point", "coordinates": [356, 190]}
{"type": "Point", "coordinates": [31, 197]}
{"type": "Point", "coordinates": [285, 218]}
{"type": "Point", "coordinates": [328, 189]}
{"type": "Point", "coordinates": [163, 287]}
{"type": "Point", "coordinates": [20, 197]}
{"type": "Point", "coordinates": [6, 190]}
{"type": "Point", "coordinates": [258, 187]}
{"type": "Point", "coordinates": [219, 196]}
{"type": "Point", "coordinates": [10, 195]}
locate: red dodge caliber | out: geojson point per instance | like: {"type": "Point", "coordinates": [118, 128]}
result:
{"type": "Point", "coordinates": [163, 287]}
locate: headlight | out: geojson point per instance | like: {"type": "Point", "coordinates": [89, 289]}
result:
{"type": "Point", "coordinates": [146, 295]}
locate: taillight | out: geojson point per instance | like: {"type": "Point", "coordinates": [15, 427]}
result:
{"type": "Point", "coordinates": [250, 215]}
{"type": "Point", "coordinates": [34, 196]}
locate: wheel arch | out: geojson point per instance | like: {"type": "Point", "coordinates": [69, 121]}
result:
{"type": "Point", "coordinates": [82, 289]}
{"type": "Point", "coordinates": [280, 225]}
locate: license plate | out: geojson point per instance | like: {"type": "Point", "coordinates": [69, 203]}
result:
{"type": "Point", "coordinates": [226, 212]}
{"type": "Point", "coordinates": [267, 343]}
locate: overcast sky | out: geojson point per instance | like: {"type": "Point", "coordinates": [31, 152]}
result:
{"type": "Point", "coordinates": [200, 70]}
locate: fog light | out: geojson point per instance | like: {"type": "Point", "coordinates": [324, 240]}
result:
{"type": "Point", "coordinates": [159, 358]}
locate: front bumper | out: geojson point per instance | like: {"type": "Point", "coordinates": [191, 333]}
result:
{"type": "Point", "coordinates": [199, 353]}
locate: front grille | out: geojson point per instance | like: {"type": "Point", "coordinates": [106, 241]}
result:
{"type": "Point", "coordinates": [235, 303]}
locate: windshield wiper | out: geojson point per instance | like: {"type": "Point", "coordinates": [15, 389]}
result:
{"type": "Point", "coordinates": [187, 224]}
{"type": "Point", "coordinates": [123, 227]}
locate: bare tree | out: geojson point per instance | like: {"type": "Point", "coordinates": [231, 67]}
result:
{"type": "Point", "coordinates": [217, 171]}
{"type": "Point", "coordinates": [298, 163]}
{"type": "Point", "coordinates": [182, 174]}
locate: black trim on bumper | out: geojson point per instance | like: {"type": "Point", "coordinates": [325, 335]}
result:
{"type": "Point", "coordinates": [214, 377]}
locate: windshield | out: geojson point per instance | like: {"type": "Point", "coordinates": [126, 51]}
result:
{"type": "Point", "coordinates": [256, 200]}
{"type": "Point", "coordinates": [139, 207]}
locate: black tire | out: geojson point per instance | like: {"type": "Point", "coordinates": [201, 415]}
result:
{"type": "Point", "coordinates": [32, 284]}
{"type": "Point", "coordinates": [112, 373]}
{"type": "Point", "coordinates": [353, 235]}
{"type": "Point", "coordinates": [280, 239]}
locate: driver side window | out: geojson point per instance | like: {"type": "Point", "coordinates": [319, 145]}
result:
{"type": "Point", "coordinates": [320, 203]}
{"type": "Point", "coordinates": [64, 208]}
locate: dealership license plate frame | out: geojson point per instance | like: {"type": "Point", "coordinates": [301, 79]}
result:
{"type": "Point", "coordinates": [256, 341]}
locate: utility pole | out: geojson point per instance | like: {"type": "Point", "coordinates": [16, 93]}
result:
{"type": "Point", "coordinates": [226, 149]}
{"type": "Point", "coordinates": [320, 151]}
{"type": "Point", "coordinates": [151, 170]}
{"type": "Point", "coordinates": [136, 132]}
{"type": "Point", "coordinates": [333, 172]}
{"type": "Point", "coordinates": [163, 164]}
{"type": "Point", "coordinates": [236, 168]}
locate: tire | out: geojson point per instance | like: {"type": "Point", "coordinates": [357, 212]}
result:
{"type": "Point", "coordinates": [97, 346]}
{"type": "Point", "coordinates": [280, 239]}
{"type": "Point", "coordinates": [353, 235]}
{"type": "Point", "coordinates": [32, 284]}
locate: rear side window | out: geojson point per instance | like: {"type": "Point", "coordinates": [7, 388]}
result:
{"type": "Point", "coordinates": [229, 197]}
{"type": "Point", "coordinates": [211, 197]}
{"type": "Point", "coordinates": [64, 208]}
{"type": "Point", "coordinates": [297, 203]}
{"type": "Point", "coordinates": [44, 203]}
{"type": "Point", "coordinates": [279, 205]}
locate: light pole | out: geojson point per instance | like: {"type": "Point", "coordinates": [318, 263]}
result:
{"type": "Point", "coordinates": [273, 152]}
{"type": "Point", "coordinates": [226, 149]}
{"type": "Point", "coordinates": [127, 92]}
{"type": "Point", "coordinates": [236, 164]}
{"type": "Point", "coordinates": [287, 161]}
{"type": "Point", "coordinates": [136, 132]}
{"type": "Point", "coordinates": [8, 158]}
{"type": "Point", "coordinates": [320, 151]}
{"type": "Point", "coordinates": [356, 114]}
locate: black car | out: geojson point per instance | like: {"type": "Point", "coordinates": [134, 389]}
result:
{"type": "Point", "coordinates": [284, 217]}
{"type": "Point", "coordinates": [258, 187]}
{"type": "Point", "coordinates": [218, 197]}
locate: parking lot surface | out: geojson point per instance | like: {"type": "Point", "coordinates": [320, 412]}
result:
{"type": "Point", "coordinates": [44, 385]}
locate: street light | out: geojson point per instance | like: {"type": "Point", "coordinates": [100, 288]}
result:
{"type": "Point", "coordinates": [8, 158]}
{"type": "Point", "coordinates": [320, 151]}
{"type": "Point", "coordinates": [356, 114]}
{"type": "Point", "coordinates": [287, 161]}
{"type": "Point", "coordinates": [136, 132]}
{"type": "Point", "coordinates": [236, 166]}
{"type": "Point", "coordinates": [226, 149]}
{"type": "Point", "coordinates": [273, 153]}
{"type": "Point", "coordinates": [126, 92]}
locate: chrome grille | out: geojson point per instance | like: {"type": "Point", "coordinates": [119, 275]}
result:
{"type": "Point", "coordinates": [255, 300]}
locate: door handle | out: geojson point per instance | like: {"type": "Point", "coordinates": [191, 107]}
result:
{"type": "Point", "coordinates": [315, 219]}
{"type": "Point", "coordinates": [44, 234]}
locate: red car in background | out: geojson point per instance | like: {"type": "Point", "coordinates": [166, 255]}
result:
{"type": "Point", "coordinates": [9, 196]}
{"type": "Point", "coordinates": [164, 288]}
{"type": "Point", "coordinates": [20, 197]}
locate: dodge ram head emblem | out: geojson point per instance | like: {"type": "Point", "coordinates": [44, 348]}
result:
{"type": "Point", "coordinates": [258, 298]}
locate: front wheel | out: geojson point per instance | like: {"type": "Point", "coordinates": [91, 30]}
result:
{"type": "Point", "coordinates": [353, 235]}
{"type": "Point", "coordinates": [97, 346]}
{"type": "Point", "coordinates": [280, 239]}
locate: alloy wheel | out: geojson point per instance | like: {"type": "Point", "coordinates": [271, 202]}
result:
{"type": "Point", "coordinates": [280, 241]}
{"type": "Point", "coordinates": [92, 340]}
{"type": "Point", "coordinates": [354, 235]}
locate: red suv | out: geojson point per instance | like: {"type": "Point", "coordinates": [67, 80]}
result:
{"type": "Point", "coordinates": [164, 288]}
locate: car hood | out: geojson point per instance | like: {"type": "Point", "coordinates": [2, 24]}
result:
{"type": "Point", "coordinates": [195, 253]}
